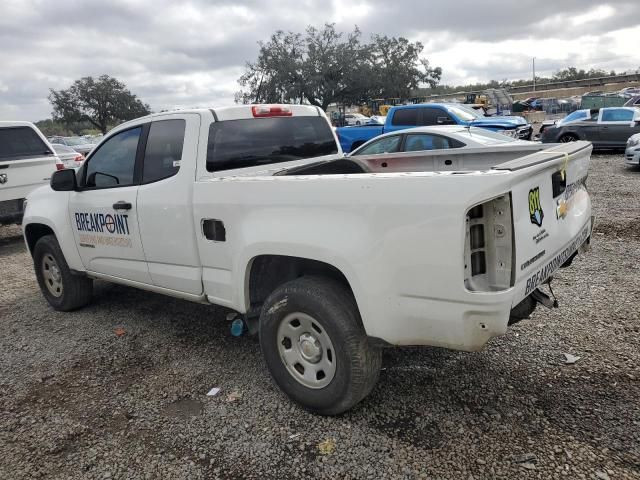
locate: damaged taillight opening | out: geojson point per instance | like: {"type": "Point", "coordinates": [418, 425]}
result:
{"type": "Point", "coordinates": [488, 247]}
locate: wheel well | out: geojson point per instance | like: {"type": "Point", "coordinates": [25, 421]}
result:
{"type": "Point", "coordinates": [267, 272]}
{"type": "Point", "coordinates": [34, 232]}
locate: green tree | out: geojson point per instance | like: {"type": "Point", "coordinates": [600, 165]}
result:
{"type": "Point", "coordinates": [398, 68]}
{"type": "Point", "coordinates": [103, 102]}
{"type": "Point", "coordinates": [324, 66]}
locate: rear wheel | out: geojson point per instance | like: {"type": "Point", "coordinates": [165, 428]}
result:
{"type": "Point", "coordinates": [566, 138]}
{"type": "Point", "coordinates": [63, 290]}
{"type": "Point", "coordinates": [315, 346]}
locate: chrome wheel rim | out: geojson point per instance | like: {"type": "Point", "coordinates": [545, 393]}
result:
{"type": "Point", "coordinates": [52, 275]}
{"type": "Point", "coordinates": [567, 139]}
{"type": "Point", "coordinates": [306, 350]}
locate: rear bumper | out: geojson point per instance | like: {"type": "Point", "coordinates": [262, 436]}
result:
{"type": "Point", "coordinates": [469, 322]}
{"type": "Point", "coordinates": [11, 211]}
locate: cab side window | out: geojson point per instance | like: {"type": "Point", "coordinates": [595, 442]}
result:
{"type": "Point", "coordinates": [164, 150]}
{"type": "Point", "coordinates": [113, 165]}
{"type": "Point", "coordinates": [436, 116]}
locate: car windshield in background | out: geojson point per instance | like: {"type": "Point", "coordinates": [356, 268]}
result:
{"type": "Point", "coordinates": [74, 141]}
{"type": "Point", "coordinates": [577, 115]}
{"type": "Point", "coordinates": [464, 113]}
{"type": "Point", "coordinates": [62, 148]}
{"type": "Point", "coordinates": [262, 141]}
{"type": "Point", "coordinates": [482, 135]}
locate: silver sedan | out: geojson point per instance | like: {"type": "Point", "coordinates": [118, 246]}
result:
{"type": "Point", "coordinates": [632, 152]}
{"type": "Point", "coordinates": [69, 157]}
{"type": "Point", "coordinates": [435, 138]}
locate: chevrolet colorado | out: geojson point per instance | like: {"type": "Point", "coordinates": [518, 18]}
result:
{"type": "Point", "coordinates": [255, 208]}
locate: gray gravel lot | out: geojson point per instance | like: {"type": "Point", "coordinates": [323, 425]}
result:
{"type": "Point", "coordinates": [79, 401]}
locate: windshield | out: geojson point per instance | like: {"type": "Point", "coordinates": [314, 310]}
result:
{"type": "Point", "coordinates": [75, 141]}
{"type": "Point", "coordinates": [577, 115]}
{"type": "Point", "coordinates": [262, 141]}
{"type": "Point", "coordinates": [464, 113]}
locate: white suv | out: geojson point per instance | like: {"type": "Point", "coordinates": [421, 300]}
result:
{"type": "Point", "coordinates": [27, 161]}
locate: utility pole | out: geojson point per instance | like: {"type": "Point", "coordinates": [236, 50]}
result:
{"type": "Point", "coordinates": [534, 73]}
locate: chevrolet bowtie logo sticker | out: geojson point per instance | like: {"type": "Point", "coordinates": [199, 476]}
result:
{"type": "Point", "coordinates": [536, 214]}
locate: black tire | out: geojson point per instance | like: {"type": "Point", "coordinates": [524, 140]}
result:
{"type": "Point", "coordinates": [567, 137]}
{"type": "Point", "coordinates": [357, 362]}
{"type": "Point", "coordinates": [76, 290]}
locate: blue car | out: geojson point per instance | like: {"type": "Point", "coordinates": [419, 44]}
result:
{"type": "Point", "coordinates": [430, 114]}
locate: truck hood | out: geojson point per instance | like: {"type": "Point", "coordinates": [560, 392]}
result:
{"type": "Point", "coordinates": [504, 122]}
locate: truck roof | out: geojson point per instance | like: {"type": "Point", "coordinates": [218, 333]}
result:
{"type": "Point", "coordinates": [15, 123]}
{"type": "Point", "coordinates": [236, 112]}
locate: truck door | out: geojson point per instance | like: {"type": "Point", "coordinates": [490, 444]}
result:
{"type": "Point", "coordinates": [165, 203]}
{"type": "Point", "coordinates": [104, 209]}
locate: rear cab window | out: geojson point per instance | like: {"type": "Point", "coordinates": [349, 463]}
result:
{"type": "Point", "coordinates": [263, 141]}
{"type": "Point", "coordinates": [18, 143]}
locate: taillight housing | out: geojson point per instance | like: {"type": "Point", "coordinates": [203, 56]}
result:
{"type": "Point", "coordinates": [260, 111]}
{"type": "Point", "coordinates": [79, 158]}
{"type": "Point", "coordinates": [489, 246]}
{"type": "Point", "coordinates": [59, 166]}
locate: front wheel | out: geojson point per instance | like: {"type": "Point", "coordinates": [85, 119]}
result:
{"type": "Point", "coordinates": [315, 346]}
{"type": "Point", "coordinates": [63, 290]}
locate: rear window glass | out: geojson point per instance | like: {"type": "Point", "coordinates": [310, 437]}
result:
{"type": "Point", "coordinates": [407, 116]}
{"type": "Point", "coordinates": [262, 141]}
{"type": "Point", "coordinates": [21, 142]}
{"type": "Point", "coordinates": [617, 116]}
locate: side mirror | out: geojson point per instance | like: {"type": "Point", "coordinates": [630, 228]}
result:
{"type": "Point", "coordinates": [64, 180]}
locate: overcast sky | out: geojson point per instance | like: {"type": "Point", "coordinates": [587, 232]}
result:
{"type": "Point", "coordinates": [191, 52]}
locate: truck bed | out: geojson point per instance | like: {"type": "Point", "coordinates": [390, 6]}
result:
{"type": "Point", "coordinates": [452, 160]}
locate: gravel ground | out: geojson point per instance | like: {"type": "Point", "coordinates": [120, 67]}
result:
{"type": "Point", "coordinates": [79, 401]}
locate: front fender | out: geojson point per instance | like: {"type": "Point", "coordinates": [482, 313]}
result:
{"type": "Point", "coordinates": [49, 208]}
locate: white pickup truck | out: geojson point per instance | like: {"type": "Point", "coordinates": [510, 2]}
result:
{"type": "Point", "coordinates": [254, 208]}
{"type": "Point", "coordinates": [27, 161]}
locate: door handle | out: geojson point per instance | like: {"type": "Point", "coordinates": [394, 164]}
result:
{"type": "Point", "coordinates": [122, 205]}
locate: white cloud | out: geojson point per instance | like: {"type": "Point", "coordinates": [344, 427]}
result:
{"type": "Point", "coordinates": [191, 53]}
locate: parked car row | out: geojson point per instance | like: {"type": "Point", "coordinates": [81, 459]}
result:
{"type": "Point", "coordinates": [81, 145]}
{"type": "Point", "coordinates": [605, 128]}
{"type": "Point", "coordinates": [402, 117]}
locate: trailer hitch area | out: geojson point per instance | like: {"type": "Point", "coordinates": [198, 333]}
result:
{"type": "Point", "coordinates": [543, 299]}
